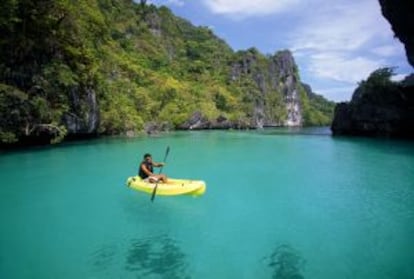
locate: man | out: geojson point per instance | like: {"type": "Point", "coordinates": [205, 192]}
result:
{"type": "Point", "coordinates": [146, 170]}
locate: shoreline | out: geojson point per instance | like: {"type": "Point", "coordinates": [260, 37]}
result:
{"type": "Point", "coordinates": [277, 130]}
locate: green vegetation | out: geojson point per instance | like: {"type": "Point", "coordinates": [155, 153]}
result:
{"type": "Point", "coordinates": [108, 67]}
{"type": "Point", "coordinates": [316, 110]}
{"type": "Point", "coordinates": [381, 90]}
{"type": "Point", "coordinates": [378, 87]}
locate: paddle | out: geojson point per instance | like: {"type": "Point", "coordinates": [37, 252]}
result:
{"type": "Point", "coordinates": [156, 184]}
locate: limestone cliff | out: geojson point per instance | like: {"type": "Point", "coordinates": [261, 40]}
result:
{"type": "Point", "coordinates": [269, 84]}
{"type": "Point", "coordinates": [287, 81]}
{"type": "Point", "coordinates": [83, 118]}
{"type": "Point", "coordinates": [273, 89]}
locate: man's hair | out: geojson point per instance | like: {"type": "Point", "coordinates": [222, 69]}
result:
{"type": "Point", "coordinates": [147, 155]}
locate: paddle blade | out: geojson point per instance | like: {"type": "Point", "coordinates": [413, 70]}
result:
{"type": "Point", "coordinates": [166, 153]}
{"type": "Point", "coordinates": [153, 193]}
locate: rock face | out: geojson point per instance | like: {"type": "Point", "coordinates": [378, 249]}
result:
{"type": "Point", "coordinates": [84, 116]}
{"type": "Point", "coordinates": [389, 113]}
{"type": "Point", "coordinates": [273, 85]}
{"type": "Point", "coordinates": [400, 13]}
{"type": "Point", "coordinates": [288, 84]}
{"type": "Point", "coordinates": [199, 122]}
{"type": "Point", "coordinates": [274, 88]}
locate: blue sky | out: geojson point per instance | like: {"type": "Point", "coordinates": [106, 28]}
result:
{"type": "Point", "coordinates": [335, 43]}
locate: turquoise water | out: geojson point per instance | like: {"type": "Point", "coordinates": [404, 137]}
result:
{"type": "Point", "coordinates": [278, 205]}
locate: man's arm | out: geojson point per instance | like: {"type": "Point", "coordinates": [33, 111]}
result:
{"type": "Point", "coordinates": [146, 170]}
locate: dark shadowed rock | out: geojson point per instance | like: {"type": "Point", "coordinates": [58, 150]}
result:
{"type": "Point", "coordinates": [153, 128]}
{"type": "Point", "coordinates": [199, 122]}
{"type": "Point", "coordinates": [342, 123]}
{"type": "Point", "coordinates": [196, 122]}
{"type": "Point", "coordinates": [389, 113]}
{"type": "Point", "coordinates": [400, 14]}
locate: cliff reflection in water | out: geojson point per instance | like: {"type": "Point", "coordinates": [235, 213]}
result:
{"type": "Point", "coordinates": [286, 263]}
{"type": "Point", "coordinates": [156, 257]}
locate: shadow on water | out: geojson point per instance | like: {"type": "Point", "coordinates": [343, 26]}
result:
{"type": "Point", "coordinates": [160, 256]}
{"type": "Point", "coordinates": [286, 263]}
{"type": "Point", "coordinates": [152, 257]}
{"type": "Point", "coordinates": [104, 257]}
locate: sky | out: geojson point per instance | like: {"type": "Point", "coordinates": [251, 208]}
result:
{"type": "Point", "coordinates": [335, 43]}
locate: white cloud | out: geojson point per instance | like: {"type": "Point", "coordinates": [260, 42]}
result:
{"type": "Point", "coordinates": [339, 67]}
{"type": "Point", "coordinates": [345, 27]}
{"type": "Point", "coordinates": [387, 50]}
{"type": "Point", "coordinates": [246, 8]}
{"type": "Point", "coordinates": [344, 41]}
{"type": "Point", "coordinates": [328, 33]}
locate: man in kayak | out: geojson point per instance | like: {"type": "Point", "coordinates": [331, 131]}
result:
{"type": "Point", "coordinates": [146, 170]}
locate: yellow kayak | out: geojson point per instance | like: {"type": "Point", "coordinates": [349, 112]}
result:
{"type": "Point", "coordinates": [172, 188]}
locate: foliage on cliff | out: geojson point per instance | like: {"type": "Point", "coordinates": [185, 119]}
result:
{"type": "Point", "coordinates": [316, 109]}
{"type": "Point", "coordinates": [107, 67]}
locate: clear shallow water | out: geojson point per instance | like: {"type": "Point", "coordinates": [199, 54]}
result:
{"type": "Point", "coordinates": [278, 205]}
